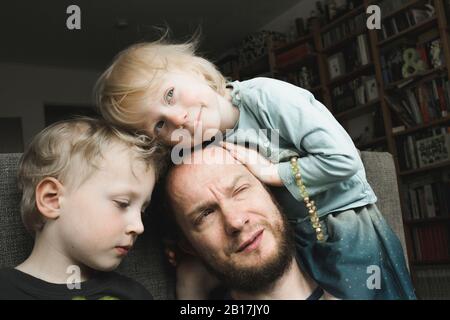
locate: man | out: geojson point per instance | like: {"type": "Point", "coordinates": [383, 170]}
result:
{"type": "Point", "coordinates": [230, 222]}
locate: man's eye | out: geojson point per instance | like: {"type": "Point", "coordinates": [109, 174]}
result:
{"type": "Point", "coordinates": [241, 189]}
{"type": "Point", "coordinates": [203, 215]}
{"type": "Point", "coordinates": [207, 212]}
{"type": "Point", "coordinates": [169, 95]}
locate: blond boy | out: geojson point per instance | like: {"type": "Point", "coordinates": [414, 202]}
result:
{"type": "Point", "coordinates": [85, 185]}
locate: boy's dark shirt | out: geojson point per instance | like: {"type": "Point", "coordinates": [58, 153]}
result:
{"type": "Point", "coordinates": [17, 285]}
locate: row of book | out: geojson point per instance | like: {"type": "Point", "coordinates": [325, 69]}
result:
{"type": "Point", "coordinates": [428, 197]}
{"type": "Point", "coordinates": [421, 104]}
{"type": "Point", "coordinates": [432, 282]}
{"type": "Point", "coordinates": [424, 149]}
{"type": "Point", "coordinates": [431, 242]}
{"type": "Point", "coordinates": [353, 56]}
{"type": "Point", "coordinates": [306, 76]}
{"type": "Point", "coordinates": [357, 92]}
{"type": "Point", "coordinates": [404, 20]}
{"type": "Point", "coordinates": [294, 55]}
{"type": "Point", "coordinates": [347, 28]}
{"type": "Point", "coordinates": [388, 6]}
{"type": "Point", "coordinates": [407, 60]}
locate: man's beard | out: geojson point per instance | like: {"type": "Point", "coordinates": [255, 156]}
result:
{"type": "Point", "coordinates": [257, 278]}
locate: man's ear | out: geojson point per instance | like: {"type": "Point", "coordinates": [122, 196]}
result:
{"type": "Point", "coordinates": [48, 193]}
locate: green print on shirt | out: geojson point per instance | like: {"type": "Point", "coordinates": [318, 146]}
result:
{"type": "Point", "coordinates": [102, 298]}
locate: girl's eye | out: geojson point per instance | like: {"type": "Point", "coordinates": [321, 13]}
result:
{"type": "Point", "coordinates": [169, 96]}
{"type": "Point", "coordinates": [159, 125]}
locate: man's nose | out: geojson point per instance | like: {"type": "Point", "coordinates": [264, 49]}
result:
{"type": "Point", "coordinates": [177, 116]}
{"type": "Point", "coordinates": [234, 219]}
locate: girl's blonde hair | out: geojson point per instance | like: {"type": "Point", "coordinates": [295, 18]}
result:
{"type": "Point", "coordinates": [135, 75]}
{"type": "Point", "coordinates": [70, 151]}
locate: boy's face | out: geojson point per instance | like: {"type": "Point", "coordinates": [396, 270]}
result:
{"type": "Point", "coordinates": [184, 100]}
{"type": "Point", "coordinates": [101, 219]}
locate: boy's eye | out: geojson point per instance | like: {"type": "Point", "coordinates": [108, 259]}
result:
{"type": "Point", "coordinates": [169, 96]}
{"type": "Point", "coordinates": [122, 204]}
{"type": "Point", "coordinates": [159, 125]}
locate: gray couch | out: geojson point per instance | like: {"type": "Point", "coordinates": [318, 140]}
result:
{"type": "Point", "coordinates": [146, 262]}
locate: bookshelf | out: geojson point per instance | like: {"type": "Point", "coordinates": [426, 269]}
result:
{"type": "Point", "coordinates": [398, 116]}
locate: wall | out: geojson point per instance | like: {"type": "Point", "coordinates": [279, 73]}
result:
{"type": "Point", "coordinates": [24, 89]}
{"type": "Point", "coordinates": [283, 22]}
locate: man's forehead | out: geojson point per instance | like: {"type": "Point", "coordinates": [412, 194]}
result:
{"type": "Point", "coordinates": [216, 174]}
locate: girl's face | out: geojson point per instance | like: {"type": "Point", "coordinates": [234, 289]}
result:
{"type": "Point", "coordinates": [185, 110]}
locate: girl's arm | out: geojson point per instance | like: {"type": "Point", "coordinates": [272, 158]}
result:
{"type": "Point", "coordinates": [331, 156]}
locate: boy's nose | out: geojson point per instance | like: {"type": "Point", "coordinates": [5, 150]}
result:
{"type": "Point", "coordinates": [136, 226]}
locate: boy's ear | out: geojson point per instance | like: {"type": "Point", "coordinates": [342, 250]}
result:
{"type": "Point", "coordinates": [48, 193]}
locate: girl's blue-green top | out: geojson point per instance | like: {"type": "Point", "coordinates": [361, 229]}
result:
{"type": "Point", "coordinates": [330, 165]}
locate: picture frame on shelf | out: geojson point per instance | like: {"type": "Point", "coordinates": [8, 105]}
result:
{"type": "Point", "coordinates": [370, 84]}
{"type": "Point", "coordinates": [361, 129]}
{"type": "Point", "coordinates": [336, 64]}
{"type": "Point", "coordinates": [433, 150]}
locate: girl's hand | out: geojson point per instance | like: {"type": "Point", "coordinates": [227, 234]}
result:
{"type": "Point", "coordinates": [261, 168]}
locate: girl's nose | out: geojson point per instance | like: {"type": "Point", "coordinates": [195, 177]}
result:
{"type": "Point", "coordinates": [177, 117]}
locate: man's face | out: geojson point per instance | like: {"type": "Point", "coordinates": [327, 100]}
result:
{"type": "Point", "coordinates": [101, 219]}
{"type": "Point", "coordinates": [231, 221]}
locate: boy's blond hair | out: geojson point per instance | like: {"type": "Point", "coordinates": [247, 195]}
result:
{"type": "Point", "coordinates": [70, 151]}
{"type": "Point", "coordinates": [135, 74]}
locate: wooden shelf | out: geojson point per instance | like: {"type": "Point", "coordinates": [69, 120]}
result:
{"type": "Point", "coordinates": [427, 220]}
{"type": "Point", "coordinates": [289, 46]}
{"type": "Point", "coordinates": [420, 77]}
{"type": "Point", "coordinates": [423, 126]}
{"type": "Point", "coordinates": [425, 169]}
{"type": "Point", "coordinates": [376, 48]}
{"type": "Point", "coordinates": [350, 76]}
{"type": "Point", "coordinates": [400, 9]}
{"type": "Point", "coordinates": [342, 18]}
{"type": "Point", "coordinates": [295, 64]}
{"type": "Point", "coordinates": [341, 43]}
{"type": "Point", "coordinates": [357, 111]}
{"type": "Point", "coordinates": [417, 28]}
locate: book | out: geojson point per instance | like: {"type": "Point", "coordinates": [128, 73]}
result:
{"type": "Point", "coordinates": [399, 110]}
{"type": "Point", "coordinates": [419, 15]}
{"type": "Point", "coordinates": [363, 49]}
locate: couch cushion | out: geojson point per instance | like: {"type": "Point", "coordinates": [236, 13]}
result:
{"type": "Point", "coordinates": [145, 263]}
